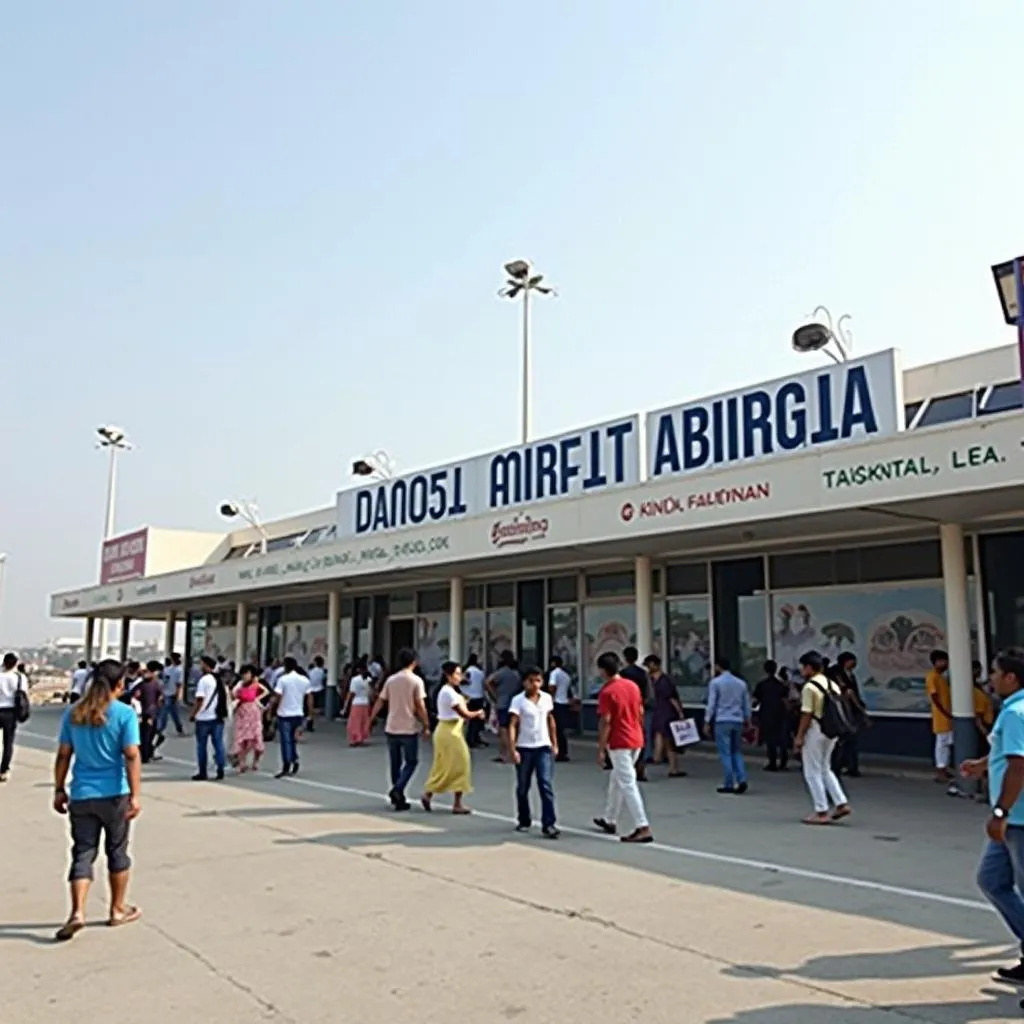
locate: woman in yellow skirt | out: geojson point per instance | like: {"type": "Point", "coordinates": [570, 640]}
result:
{"type": "Point", "coordinates": [450, 771]}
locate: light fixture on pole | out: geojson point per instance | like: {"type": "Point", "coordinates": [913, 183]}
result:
{"type": "Point", "coordinates": [1010, 285]}
{"type": "Point", "coordinates": [821, 334]}
{"type": "Point", "coordinates": [114, 440]}
{"type": "Point", "coordinates": [248, 511]}
{"type": "Point", "coordinates": [520, 282]}
{"type": "Point", "coordinates": [377, 465]}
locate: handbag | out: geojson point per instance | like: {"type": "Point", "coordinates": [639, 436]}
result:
{"type": "Point", "coordinates": [22, 705]}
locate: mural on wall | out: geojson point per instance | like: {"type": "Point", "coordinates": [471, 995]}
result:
{"type": "Point", "coordinates": [474, 631]}
{"type": "Point", "coordinates": [564, 637]}
{"type": "Point", "coordinates": [305, 641]}
{"type": "Point", "coordinates": [606, 627]}
{"type": "Point", "coordinates": [501, 635]}
{"type": "Point", "coordinates": [433, 641]}
{"type": "Point", "coordinates": [689, 660]}
{"type": "Point", "coordinates": [891, 630]}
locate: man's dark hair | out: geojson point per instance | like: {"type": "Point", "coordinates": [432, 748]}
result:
{"type": "Point", "coordinates": [507, 659]}
{"type": "Point", "coordinates": [630, 654]}
{"type": "Point", "coordinates": [771, 667]}
{"type": "Point", "coordinates": [845, 658]}
{"type": "Point", "coordinates": [652, 661]}
{"type": "Point", "coordinates": [208, 662]}
{"type": "Point", "coordinates": [812, 660]}
{"type": "Point", "coordinates": [83, 664]}
{"type": "Point", "coordinates": [534, 670]}
{"type": "Point", "coordinates": [609, 663]}
{"type": "Point", "coordinates": [472, 660]}
{"type": "Point", "coordinates": [154, 666]}
{"type": "Point", "coordinates": [176, 658]}
{"type": "Point", "coordinates": [556, 661]}
{"type": "Point", "coordinates": [406, 657]}
{"type": "Point", "coordinates": [723, 663]}
{"type": "Point", "coordinates": [318, 661]}
{"type": "Point", "coordinates": [290, 664]}
{"type": "Point", "coordinates": [1011, 663]}
{"type": "Point", "coordinates": [936, 656]}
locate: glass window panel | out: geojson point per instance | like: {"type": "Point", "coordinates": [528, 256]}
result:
{"type": "Point", "coordinates": [306, 640]}
{"type": "Point", "coordinates": [564, 637]}
{"type": "Point", "coordinates": [562, 589]}
{"type": "Point", "coordinates": [438, 600]}
{"type": "Point", "coordinates": [1004, 397]}
{"type": "Point", "coordinates": [433, 636]}
{"type": "Point", "coordinates": [948, 409]}
{"type": "Point", "coordinates": [916, 560]}
{"type": "Point", "coordinates": [501, 635]}
{"type": "Point", "coordinates": [753, 612]}
{"type": "Point", "coordinates": [474, 630]}
{"type": "Point", "coordinates": [472, 596]}
{"type": "Point", "coordinates": [606, 627]}
{"type": "Point", "coordinates": [687, 579]}
{"type": "Point", "coordinates": [689, 637]}
{"type": "Point", "coordinates": [402, 604]}
{"type": "Point", "coordinates": [501, 595]}
{"type": "Point", "coordinates": [802, 569]}
{"type": "Point", "coordinates": [610, 584]}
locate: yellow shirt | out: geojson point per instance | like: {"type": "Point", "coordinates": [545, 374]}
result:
{"type": "Point", "coordinates": [812, 700]}
{"type": "Point", "coordinates": [938, 686]}
{"type": "Point", "coordinates": [983, 707]}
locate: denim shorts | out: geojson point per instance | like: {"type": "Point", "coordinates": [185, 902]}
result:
{"type": "Point", "coordinates": [504, 717]}
{"type": "Point", "coordinates": [91, 819]}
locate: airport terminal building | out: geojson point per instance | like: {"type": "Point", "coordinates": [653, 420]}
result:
{"type": "Point", "coordinates": [853, 507]}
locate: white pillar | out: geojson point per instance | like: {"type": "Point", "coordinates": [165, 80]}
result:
{"type": "Point", "coordinates": [958, 638]}
{"type": "Point", "coordinates": [644, 607]}
{"type": "Point", "coordinates": [456, 611]}
{"type": "Point", "coordinates": [333, 652]}
{"type": "Point", "coordinates": [126, 633]}
{"type": "Point", "coordinates": [90, 632]}
{"type": "Point", "coordinates": [241, 633]}
{"type": "Point", "coordinates": [169, 624]}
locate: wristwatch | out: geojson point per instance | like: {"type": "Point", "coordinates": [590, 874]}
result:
{"type": "Point", "coordinates": [998, 813]}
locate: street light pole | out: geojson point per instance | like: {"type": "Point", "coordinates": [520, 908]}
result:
{"type": "Point", "coordinates": [1009, 278]}
{"type": "Point", "coordinates": [521, 281]}
{"type": "Point", "coordinates": [1018, 280]}
{"type": "Point", "coordinates": [115, 440]}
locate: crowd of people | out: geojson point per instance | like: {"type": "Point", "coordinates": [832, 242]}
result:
{"type": "Point", "coordinates": [119, 715]}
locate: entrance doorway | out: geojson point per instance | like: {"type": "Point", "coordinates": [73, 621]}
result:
{"type": "Point", "coordinates": [401, 633]}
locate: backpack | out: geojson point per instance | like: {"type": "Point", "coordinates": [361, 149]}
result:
{"type": "Point", "coordinates": [836, 721]}
{"type": "Point", "coordinates": [22, 703]}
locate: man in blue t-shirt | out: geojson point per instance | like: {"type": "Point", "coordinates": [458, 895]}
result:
{"type": "Point", "coordinates": [1002, 864]}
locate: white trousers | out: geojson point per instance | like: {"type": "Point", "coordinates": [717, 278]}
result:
{"type": "Point", "coordinates": [623, 789]}
{"type": "Point", "coordinates": [821, 780]}
{"type": "Point", "coordinates": [943, 749]}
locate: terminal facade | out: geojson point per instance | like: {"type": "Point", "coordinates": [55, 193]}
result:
{"type": "Point", "coordinates": [854, 507]}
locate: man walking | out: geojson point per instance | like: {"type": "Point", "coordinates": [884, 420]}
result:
{"type": "Point", "coordinates": [11, 681]}
{"type": "Point", "coordinates": [79, 678]}
{"type": "Point", "coordinates": [846, 759]}
{"type": "Point", "coordinates": [405, 697]}
{"type": "Point", "coordinates": [772, 696]}
{"type": "Point", "coordinates": [502, 687]}
{"type": "Point", "coordinates": [317, 684]}
{"type": "Point", "coordinates": [1001, 872]}
{"type": "Point", "coordinates": [726, 716]}
{"type": "Point", "coordinates": [148, 693]}
{"type": "Point", "coordinates": [621, 737]}
{"type": "Point", "coordinates": [533, 736]}
{"type": "Point", "coordinates": [171, 682]}
{"type": "Point", "coordinates": [937, 685]}
{"type": "Point", "coordinates": [473, 691]}
{"type": "Point", "coordinates": [560, 688]}
{"type": "Point", "coordinates": [635, 674]}
{"type": "Point", "coordinates": [293, 703]}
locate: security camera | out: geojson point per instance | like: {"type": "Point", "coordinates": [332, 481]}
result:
{"type": "Point", "coordinates": [811, 338]}
{"type": "Point", "coordinates": [518, 270]}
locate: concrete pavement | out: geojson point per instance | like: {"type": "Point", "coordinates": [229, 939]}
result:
{"type": "Point", "coordinates": [307, 900]}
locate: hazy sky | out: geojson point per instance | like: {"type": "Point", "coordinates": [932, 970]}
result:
{"type": "Point", "coordinates": [266, 237]}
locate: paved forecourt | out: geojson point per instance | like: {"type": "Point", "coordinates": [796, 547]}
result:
{"type": "Point", "coordinates": [307, 900]}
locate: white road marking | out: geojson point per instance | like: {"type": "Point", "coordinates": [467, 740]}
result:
{"type": "Point", "coordinates": [678, 851]}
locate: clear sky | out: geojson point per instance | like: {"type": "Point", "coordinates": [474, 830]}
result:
{"type": "Point", "coordinates": [266, 237]}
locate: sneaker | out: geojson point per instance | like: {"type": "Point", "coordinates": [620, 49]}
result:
{"type": "Point", "coordinates": [220, 774]}
{"type": "Point", "coordinates": [200, 777]}
{"type": "Point", "coordinates": [282, 773]}
{"type": "Point", "coordinates": [742, 788]}
{"type": "Point", "coordinates": [1013, 975]}
{"type": "Point", "coordinates": [605, 826]}
{"type": "Point", "coordinates": [726, 789]}
{"type": "Point", "coordinates": [550, 832]}
{"type": "Point", "coordinates": [295, 767]}
{"type": "Point", "coordinates": [523, 828]}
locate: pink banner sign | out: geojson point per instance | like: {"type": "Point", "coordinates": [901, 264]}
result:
{"type": "Point", "coordinates": [124, 558]}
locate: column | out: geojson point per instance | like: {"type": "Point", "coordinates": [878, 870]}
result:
{"type": "Point", "coordinates": [333, 645]}
{"type": "Point", "coordinates": [644, 607]}
{"type": "Point", "coordinates": [456, 611]}
{"type": "Point", "coordinates": [90, 632]}
{"type": "Point", "coordinates": [169, 624]}
{"type": "Point", "coordinates": [958, 638]}
{"type": "Point", "coordinates": [241, 634]}
{"type": "Point", "coordinates": [126, 629]}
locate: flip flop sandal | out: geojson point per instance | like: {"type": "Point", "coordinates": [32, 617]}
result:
{"type": "Point", "coordinates": [130, 916]}
{"type": "Point", "coordinates": [68, 930]}
{"type": "Point", "coordinates": [426, 804]}
{"type": "Point", "coordinates": [462, 810]}
{"type": "Point", "coordinates": [817, 821]}
{"type": "Point", "coordinates": [839, 815]}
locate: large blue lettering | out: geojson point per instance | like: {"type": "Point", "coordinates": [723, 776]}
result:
{"type": "Point", "coordinates": [666, 447]}
{"type": "Point", "coordinates": [826, 430]}
{"type": "Point", "coordinates": [858, 409]}
{"type": "Point", "coordinates": [596, 477]}
{"type": "Point", "coordinates": [696, 447]}
{"type": "Point", "coordinates": [618, 432]}
{"type": "Point", "coordinates": [364, 511]}
{"type": "Point", "coordinates": [569, 468]}
{"type": "Point", "coordinates": [757, 418]}
{"type": "Point", "coordinates": [547, 471]}
{"type": "Point", "coordinates": [791, 416]}
{"type": "Point", "coordinates": [506, 480]}
{"type": "Point", "coordinates": [417, 499]}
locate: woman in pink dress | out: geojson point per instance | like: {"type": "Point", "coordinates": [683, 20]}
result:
{"type": "Point", "coordinates": [357, 706]}
{"type": "Point", "coordinates": [248, 719]}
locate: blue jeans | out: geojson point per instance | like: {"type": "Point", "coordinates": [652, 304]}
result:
{"type": "Point", "coordinates": [1001, 879]}
{"type": "Point", "coordinates": [404, 756]}
{"type": "Point", "coordinates": [168, 708]}
{"type": "Point", "coordinates": [541, 761]}
{"type": "Point", "coordinates": [206, 731]}
{"type": "Point", "coordinates": [728, 739]}
{"type": "Point", "coordinates": [287, 725]}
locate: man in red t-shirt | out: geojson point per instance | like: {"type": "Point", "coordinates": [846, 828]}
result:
{"type": "Point", "coordinates": [621, 735]}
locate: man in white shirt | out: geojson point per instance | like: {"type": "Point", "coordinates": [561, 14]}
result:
{"type": "Point", "coordinates": [560, 688]}
{"type": "Point", "coordinates": [533, 739]}
{"type": "Point", "coordinates": [78, 680]}
{"type": "Point", "coordinates": [473, 691]}
{"type": "Point", "coordinates": [11, 680]}
{"type": "Point", "coordinates": [209, 712]}
{"type": "Point", "coordinates": [171, 680]}
{"type": "Point", "coordinates": [293, 702]}
{"type": "Point", "coordinates": [317, 680]}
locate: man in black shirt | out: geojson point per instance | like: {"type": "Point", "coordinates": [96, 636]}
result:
{"type": "Point", "coordinates": [635, 674]}
{"type": "Point", "coordinates": [772, 697]}
{"type": "Point", "coordinates": [846, 759]}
